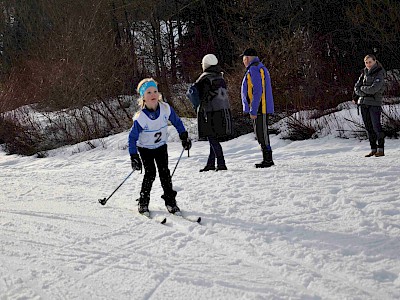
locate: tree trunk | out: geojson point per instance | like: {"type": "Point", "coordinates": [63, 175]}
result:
{"type": "Point", "coordinates": [159, 58]}
{"type": "Point", "coordinates": [172, 50]}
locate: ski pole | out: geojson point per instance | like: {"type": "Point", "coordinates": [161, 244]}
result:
{"type": "Point", "coordinates": [178, 162]}
{"type": "Point", "coordinates": [104, 200]}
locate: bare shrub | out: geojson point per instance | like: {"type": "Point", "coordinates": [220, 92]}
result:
{"type": "Point", "coordinates": [27, 131]}
{"type": "Point", "coordinates": [300, 126]}
{"type": "Point", "coordinates": [391, 120]}
{"type": "Point", "coordinates": [303, 75]}
{"type": "Point", "coordinates": [241, 122]}
{"type": "Point", "coordinates": [20, 135]}
{"type": "Point", "coordinates": [352, 126]}
{"type": "Point", "coordinates": [74, 64]}
{"type": "Point", "coordinates": [393, 83]}
{"type": "Point", "coordinates": [180, 102]}
{"type": "Point", "coordinates": [355, 129]}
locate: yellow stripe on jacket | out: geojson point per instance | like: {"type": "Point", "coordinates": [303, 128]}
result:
{"type": "Point", "coordinates": [263, 98]}
{"type": "Point", "coordinates": [249, 88]}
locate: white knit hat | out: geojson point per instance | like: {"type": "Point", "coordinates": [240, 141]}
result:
{"type": "Point", "coordinates": [209, 60]}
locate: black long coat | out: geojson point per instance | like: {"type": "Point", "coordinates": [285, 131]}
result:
{"type": "Point", "coordinates": [213, 115]}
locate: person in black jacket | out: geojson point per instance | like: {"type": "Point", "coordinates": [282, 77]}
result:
{"type": "Point", "coordinates": [369, 88]}
{"type": "Point", "coordinates": [214, 118]}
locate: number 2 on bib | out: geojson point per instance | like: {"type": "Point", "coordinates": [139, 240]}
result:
{"type": "Point", "coordinates": [157, 135]}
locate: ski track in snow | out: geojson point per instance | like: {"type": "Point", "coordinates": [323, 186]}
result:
{"type": "Point", "coordinates": [324, 223]}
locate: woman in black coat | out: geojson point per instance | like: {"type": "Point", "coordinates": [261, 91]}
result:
{"type": "Point", "coordinates": [213, 110]}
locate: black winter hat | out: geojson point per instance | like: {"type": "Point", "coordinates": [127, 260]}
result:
{"type": "Point", "coordinates": [249, 52]}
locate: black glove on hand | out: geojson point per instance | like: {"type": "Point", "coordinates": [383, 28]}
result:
{"type": "Point", "coordinates": [136, 162]}
{"type": "Point", "coordinates": [186, 141]}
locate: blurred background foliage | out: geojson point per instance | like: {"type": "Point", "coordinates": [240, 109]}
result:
{"type": "Point", "coordinates": [80, 54]}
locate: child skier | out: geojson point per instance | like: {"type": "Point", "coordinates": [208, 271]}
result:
{"type": "Point", "coordinates": [149, 136]}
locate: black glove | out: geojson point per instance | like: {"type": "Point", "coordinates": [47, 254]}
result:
{"type": "Point", "coordinates": [186, 141]}
{"type": "Point", "coordinates": [136, 162]}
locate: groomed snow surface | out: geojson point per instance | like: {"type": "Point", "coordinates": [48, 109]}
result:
{"type": "Point", "coordinates": [323, 223]}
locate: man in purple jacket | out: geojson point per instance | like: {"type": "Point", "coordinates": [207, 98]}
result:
{"type": "Point", "coordinates": [258, 101]}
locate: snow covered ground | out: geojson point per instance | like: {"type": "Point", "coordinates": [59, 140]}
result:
{"type": "Point", "coordinates": [323, 223]}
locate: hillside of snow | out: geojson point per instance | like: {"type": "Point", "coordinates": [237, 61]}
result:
{"type": "Point", "coordinates": [323, 223]}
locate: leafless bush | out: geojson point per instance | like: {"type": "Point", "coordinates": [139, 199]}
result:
{"type": "Point", "coordinates": [355, 129]}
{"type": "Point", "coordinates": [180, 102]}
{"type": "Point", "coordinates": [391, 120]}
{"type": "Point", "coordinates": [27, 131]}
{"type": "Point", "coordinates": [303, 76]}
{"type": "Point", "coordinates": [241, 123]}
{"type": "Point", "coordinates": [74, 64]}
{"type": "Point", "coordinates": [384, 28]}
{"type": "Point", "coordinates": [19, 134]}
{"type": "Point", "coordinates": [393, 83]}
{"type": "Point", "coordinates": [300, 126]}
{"type": "Point", "coordinates": [299, 130]}
{"type": "Point", "coordinates": [353, 126]}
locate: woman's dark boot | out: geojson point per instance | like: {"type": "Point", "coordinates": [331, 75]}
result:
{"type": "Point", "coordinates": [208, 168]}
